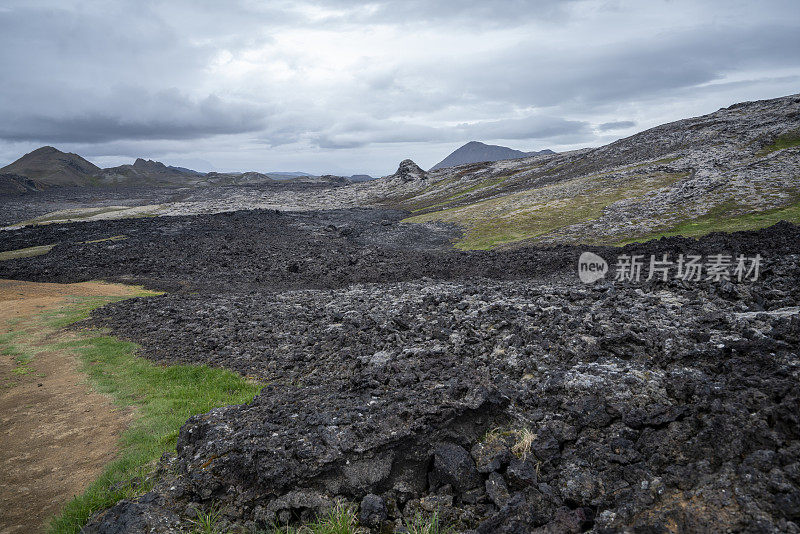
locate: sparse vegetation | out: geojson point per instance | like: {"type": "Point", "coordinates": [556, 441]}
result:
{"type": "Point", "coordinates": [720, 219]}
{"type": "Point", "coordinates": [25, 252]}
{"type": "Point", "coordinates": [521, 437]}
{"type": "Point", "coordinates": [529, 214]}
{"type": "Point", "coordinates": [83, 214]}
{"type": "Point", "coordinates": [112, 238]}
{"type": "Point", "coordinates": [207, 521]}
{"type": "Point", "coordinates": [525, 438]}
{"type": "Point", "coordinates": [163, 396]}
{"type": "Point", "coordinates": [341, 520]}
{"type": "Point", "coordinates": [426, 525]}
{"type": "Point", "coordinates": [787, 140]}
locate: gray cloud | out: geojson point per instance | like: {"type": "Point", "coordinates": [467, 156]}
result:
{"type": "Point", "coordinates": [346, 82]}
{"type": "Point", "coordinates": [503, 13]}
{"type": "Point", "coordinates": [533, 127]}
{"type": "Point", "coordinates": [132, 113]}
{"type": "Point", "coordinates": [655, 66]}
{"type": "Point", "coordinates": [615, 125]}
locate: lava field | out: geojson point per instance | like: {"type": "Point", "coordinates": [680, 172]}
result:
{"type": "Point", "coordinates": [494, 388]}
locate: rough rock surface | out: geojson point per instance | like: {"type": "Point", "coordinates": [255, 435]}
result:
{"type": "Point", "coordinates": [408, 171]}
{"type": "Point", "coordinates": [650, 407]}
{"type": "Point", "coordinates": [492, 387]}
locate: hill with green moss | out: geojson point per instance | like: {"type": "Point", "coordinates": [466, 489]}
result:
{"type": "Point", "coordinates": [736, 168]}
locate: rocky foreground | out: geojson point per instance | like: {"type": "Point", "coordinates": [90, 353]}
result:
{"type": "Point", "coordinates": [495, 388]}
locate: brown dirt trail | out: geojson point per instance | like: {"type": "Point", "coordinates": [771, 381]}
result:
{"type": "Point", "coordinates": [57, 433]}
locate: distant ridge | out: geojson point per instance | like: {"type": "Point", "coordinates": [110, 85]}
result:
{"type": "Point", "coordinates": [476, 152]}
{"type": "Point", "coordinates": [49, 166]}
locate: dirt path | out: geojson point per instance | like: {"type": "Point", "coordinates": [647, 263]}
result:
{"type": "Point", "coordinates": [57, 433]}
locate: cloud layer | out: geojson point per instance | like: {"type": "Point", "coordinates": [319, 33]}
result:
{"type": "Point", "coordinates": [344, 86]}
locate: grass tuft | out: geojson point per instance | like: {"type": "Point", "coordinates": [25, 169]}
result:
{"type": "Point", "coordinates": [426, 525]}
{"type": "Point", "coordinates": [207, 521]}
{"type": "Point", "coordinates": [341, 520]}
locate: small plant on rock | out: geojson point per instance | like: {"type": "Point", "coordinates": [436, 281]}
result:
{"type": "Point", "coordinates": [423, 525]}
{"type": "Point", "coordinates": [341, 520]}
{"type": "Point", "coordinates": [207, 521]}
{"type": "Point", "coordinates": [525, 438]}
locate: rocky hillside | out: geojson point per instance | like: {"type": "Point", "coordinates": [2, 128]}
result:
{"type": "Point", "coordinates": [733, 169]}
{"type": "Point", "coordinates": [14, 184]}
{"type": "Point", "coordinates": [146, 172]}
{"type": "Point", "coordinates": [51, 167]}
{"type": "Point", "coordinates": [477, 152]}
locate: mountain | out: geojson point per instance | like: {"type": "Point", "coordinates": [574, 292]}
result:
{"type": "Point", "coordinates": [361, 178]}
{"type": "Point", "coordinates": [477, 152]}
{"type": "Point", "coordinates": [14, 184]}
{"type": "Point", "coordinates": [51, 167]}
{"type": "Point", "coordinates": [734, 169]}
{"type": "Point", "coordinates": [146, 172]}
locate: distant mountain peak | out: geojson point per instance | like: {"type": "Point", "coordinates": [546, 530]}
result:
{"type": "Point", "coordinates": [47, 149]}
{"type": "Point", "coordinates": [149, 165]}
{"type": "Point", "coordinates": [477, 152]}
{"type": "Point", "coordinates": [51, 166]}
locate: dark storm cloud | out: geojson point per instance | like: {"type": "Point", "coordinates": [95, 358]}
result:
{"type": "Point", "coordinates": [363, 132]}
{"type": "Point", "coordinates": [536, 127]}
{"type": "Point", "coordinates": [164, 115]}
{"type": "Point", "coordinates": [78, 76]}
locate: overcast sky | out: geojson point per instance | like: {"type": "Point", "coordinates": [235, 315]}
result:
{"type": "Point", "coordinates": [350, 87]}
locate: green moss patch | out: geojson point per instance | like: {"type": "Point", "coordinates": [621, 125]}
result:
{"type": "Point", "coordinates": [787, 140]}
{"type": "Point", "coordinates": [25, 252]}
{"type": "Point", "coordinates": [533, 213]}
{"type": "Point", "coordinates": [720, 219]}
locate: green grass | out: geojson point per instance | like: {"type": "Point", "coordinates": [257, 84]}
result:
{"type": "Point", "coordinates": [78, 309]}
{"type": "Point", "coordinates": [25, 252]}
{"type": "Point", "coordinates": [207, 521]}
{"type": "Point", "coordinates": [340, 520]}
{"type": "Point", "coordinates": [787, 140]}
{"type": "Point", "coordinates": [480, 185]}
{"type": "Point", "coordinates": [463, 192]}
{"type": "Point", "coordinates": [426, 525]}
{"type": "Point", "coordinates": [527, 215]}
{"type": "Point", "coordinates": [720, 219]}
{"type": "Point", "coordinates": [164, 398]}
